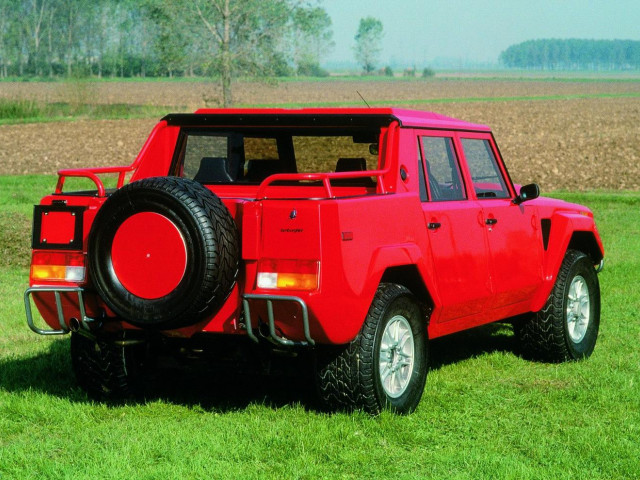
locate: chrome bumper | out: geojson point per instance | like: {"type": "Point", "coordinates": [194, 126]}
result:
{"type": "Point", "coordinates": [74, 324]}
{"type": "Point", "coordinates": [272, 323]}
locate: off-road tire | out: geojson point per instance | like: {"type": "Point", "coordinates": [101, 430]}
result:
{"type": "Point", "coordinates": [108, 368]}
{"type": "Point", "coordinates": [348, 377]}
{"type": "Point", "coordinates": [212, 251]}
{"type": "Point", "coordinates": [545, 335]}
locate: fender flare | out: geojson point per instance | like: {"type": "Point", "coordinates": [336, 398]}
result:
{"type": "Point", "coordinates": [407, 254]}
{"type": "Point", "coordinates": [565, 227]}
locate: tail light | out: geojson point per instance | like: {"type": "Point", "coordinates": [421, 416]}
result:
{"type": "Point", "coordinates": [57, 266]}
{"type": "Point", "coordinates": [288, 274]}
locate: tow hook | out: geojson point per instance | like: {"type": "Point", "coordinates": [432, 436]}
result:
{"type": "Point", "coordinates": [600, 266]}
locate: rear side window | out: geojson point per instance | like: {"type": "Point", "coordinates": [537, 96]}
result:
{"type": "Point", "coordinates": [488, 181]}
{"type": "Point", "coordinates": [442, 170]}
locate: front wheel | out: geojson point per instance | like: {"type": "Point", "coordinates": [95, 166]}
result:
{"type": "Point", "coordinates": [567, 326]}
{"type": "Point", "coordinates": [385, 366]}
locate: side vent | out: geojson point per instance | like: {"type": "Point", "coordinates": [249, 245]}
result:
{"type": "Point", "coordinates": [545, 224]}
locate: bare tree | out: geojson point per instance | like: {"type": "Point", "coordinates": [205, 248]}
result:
{"type": "Point", "coordinates": [246, 35]}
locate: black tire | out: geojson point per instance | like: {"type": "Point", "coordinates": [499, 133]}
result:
{"type": "Point", "coordinates": [553, 334]}
{"type": "Point", "coordinates": [110, 368]}
{"type": "Point", "coordinates": [350, 376]}
{"type": "Point", "coordinates": [211, 243]}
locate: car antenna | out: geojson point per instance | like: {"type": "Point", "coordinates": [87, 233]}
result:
{"type": "Point", "coordinates": [365, 102]}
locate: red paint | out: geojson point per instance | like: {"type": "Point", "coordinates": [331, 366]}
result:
{"type": "Point", "coordinates": [149, 255]}
{"type": "Point", "coordinates": [477, 260]}
{"type": "Point", "coordinates": [57, 227]}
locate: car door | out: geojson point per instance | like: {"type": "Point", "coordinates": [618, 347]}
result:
{"type": "Point", "coordinates": [456, 233]}
{"type": "Point", "coordinates": [512, 230]}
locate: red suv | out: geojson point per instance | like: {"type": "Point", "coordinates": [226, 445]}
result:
{"type": "Point", "coordinates": [355, 234]}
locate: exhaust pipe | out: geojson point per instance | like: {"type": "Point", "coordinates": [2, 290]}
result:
{"type": "Point", "coordinates": [74, 325]}
{"type": "Point", "coordinates": [263, 330]}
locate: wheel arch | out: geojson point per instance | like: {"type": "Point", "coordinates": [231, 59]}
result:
{"type": "Point", "coordinates": [409, 277]}
{"type": "Point", "coordinates": [567, 231]}
{"type": "Point", "coordinates": [586, 242]}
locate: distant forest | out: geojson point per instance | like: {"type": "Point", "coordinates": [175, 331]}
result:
{"type": "Point", "coordinates": [574, 54]}
{"type": "Point", "coordinates": [151, 38]}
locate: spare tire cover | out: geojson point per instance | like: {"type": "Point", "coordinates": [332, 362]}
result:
{"type": "Point", "coordinates": [163, 252]}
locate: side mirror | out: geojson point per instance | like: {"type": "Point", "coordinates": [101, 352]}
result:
{"type": "Point", "coordinates": [528, 192]}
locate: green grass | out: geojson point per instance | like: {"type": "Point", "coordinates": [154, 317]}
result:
{"type": "Point", "coordinates": [486, 413]}
{"type": "Point", "coordinates": [28, 111]}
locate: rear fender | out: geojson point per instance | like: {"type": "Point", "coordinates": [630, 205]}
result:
{"type": "Point", "coordinates": [391, 263]}
{"type": "Point", "coordinates": [410, 277]}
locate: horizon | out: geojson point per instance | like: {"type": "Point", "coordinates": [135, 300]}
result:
{"type": "Point", "coordinates": [479, 32]}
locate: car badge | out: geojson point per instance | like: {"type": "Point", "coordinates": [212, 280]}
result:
{"type": "Point", "coordinates": [293, 214]}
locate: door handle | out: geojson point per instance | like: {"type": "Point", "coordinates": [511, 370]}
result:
{"type": "Point", "coordinates": [491, 221]}
{"type": "Point", "coordinates": [434, 225]}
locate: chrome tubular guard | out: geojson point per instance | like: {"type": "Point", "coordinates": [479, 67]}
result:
{"type": "Point", "coordinates": [56, 291]}
{"type": "Point", "coordinates": [272, 323]}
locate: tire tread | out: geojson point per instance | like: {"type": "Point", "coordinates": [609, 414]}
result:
{"type": "Point", "coordinates": [542, 336]}
{"type": "Point", "coordinates": [346, 375]}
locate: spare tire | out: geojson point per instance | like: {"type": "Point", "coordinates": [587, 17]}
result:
{"type": "Point", "coordinates": [163, 252]}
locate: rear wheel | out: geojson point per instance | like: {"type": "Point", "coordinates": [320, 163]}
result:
{"type": "Point", "coordinates": [385, 366]}
{"type": "Point", "coordinates": [567, 326]}
{"type": "Point", "coordinates": [109, 368]}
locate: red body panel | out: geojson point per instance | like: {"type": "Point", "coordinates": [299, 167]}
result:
{"type": "Point", "coordinates": [479, 259]}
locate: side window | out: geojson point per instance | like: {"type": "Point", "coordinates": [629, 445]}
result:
{"type": "Point", "coordinates": [487, 178]}
{"type": "Point", "coordinates": [423, 184]}
{"type": "Point", "coordinates": [442, 170]}
{"type": "Point", "coordinates": [205, 159]}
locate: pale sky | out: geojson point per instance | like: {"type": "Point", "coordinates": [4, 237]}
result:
{"type": "Point", "coordinates": [422, 31]}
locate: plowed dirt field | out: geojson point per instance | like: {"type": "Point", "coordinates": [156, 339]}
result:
{"type": "Point", "coordinates": [570, 144]}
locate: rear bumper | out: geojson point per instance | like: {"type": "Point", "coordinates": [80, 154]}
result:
{"type": "Point", "coordinates": [273, 335]}
{"type": "Point", "coordinates": [72, 324]}
{"type": "Point", "coordinates": [83, 321]}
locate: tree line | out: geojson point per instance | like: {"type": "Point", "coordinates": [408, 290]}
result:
{"type": "Point", "coordinates": [573, 54]}
{"type": "Point", "coordinates": [127, 38]}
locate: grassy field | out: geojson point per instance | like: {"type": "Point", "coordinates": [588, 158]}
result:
{"type": "Point", "coordinates": [30, 111]}
{"type": "Point", "coordinates": [486, 413]}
